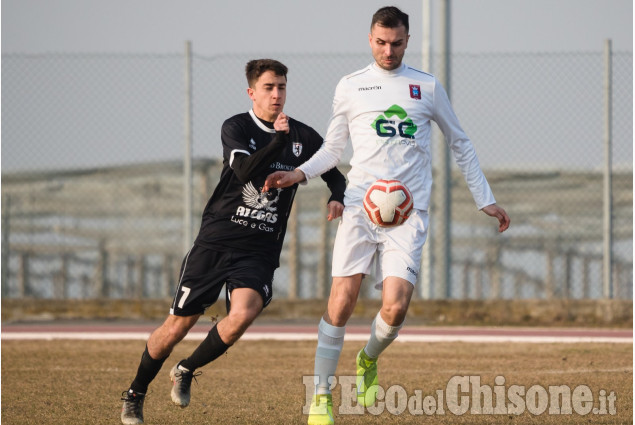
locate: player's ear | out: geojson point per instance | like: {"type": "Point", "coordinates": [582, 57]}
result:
{"type": "Point", "coordinates": [250, 93]}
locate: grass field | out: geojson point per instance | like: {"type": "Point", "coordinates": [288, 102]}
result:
{"type": "Point", "coordinates": [261, 382]}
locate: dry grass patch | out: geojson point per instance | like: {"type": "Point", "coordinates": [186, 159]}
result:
{"type": "Point", "coordinates": [260, 382]}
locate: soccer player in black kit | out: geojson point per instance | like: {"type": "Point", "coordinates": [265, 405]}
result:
{"type": "Point", "coordinates": [241, 235]}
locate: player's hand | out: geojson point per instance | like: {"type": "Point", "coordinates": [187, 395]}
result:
{"type": "Point", "coordinates": [335, 210]}
{"type": "Point", "coordinates": [283, 179]}
{"type": "Point", "coordinates": [499, 213]}
{"type": "Point", "coordinates": [281, 123]}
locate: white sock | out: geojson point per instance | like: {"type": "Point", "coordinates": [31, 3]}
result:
{"type": "Point", "coordinates": [327, 354]}
{"type": "Point", "coordinates": [381, 336]}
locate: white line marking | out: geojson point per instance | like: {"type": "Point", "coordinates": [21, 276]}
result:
{"type": "Point", "coordinates": [303, 336]}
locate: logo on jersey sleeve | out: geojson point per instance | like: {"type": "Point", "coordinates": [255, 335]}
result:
{"type": "Point", "coordinates": [297, 148]}
{"type": "Point", "coordinates": [395, 120]}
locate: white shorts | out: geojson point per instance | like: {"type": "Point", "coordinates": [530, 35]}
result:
{"type": "Point", "coordinates": [396, 250]}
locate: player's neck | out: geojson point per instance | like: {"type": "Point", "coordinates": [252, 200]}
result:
{"type": "Point", "coordinates": [266, 123]}
{"type": "Point", "coordinates": [264, 116]}
{"type": "Point", "coordinates": [396, 70]}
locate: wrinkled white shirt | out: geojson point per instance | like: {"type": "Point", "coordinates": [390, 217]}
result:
{"type": "Point", "coordinates": [387, 116]}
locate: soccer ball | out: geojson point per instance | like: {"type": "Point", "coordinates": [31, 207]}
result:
{"type": "Point", "coordinates": [388, 203]}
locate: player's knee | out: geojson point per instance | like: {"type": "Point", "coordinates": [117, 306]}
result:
{"type": "Point", "coordinates": [242, 317]}
{"type": "Point", "coordinates": [340, 309]}
{"type": "Point", "coordinates": [394, 313]}
{"type": "Point", "coordinates": [236, 323]}
{"type": "Point", "coordinates": [176, 332]}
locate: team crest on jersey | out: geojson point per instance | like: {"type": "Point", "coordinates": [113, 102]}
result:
{"type": "Point", "coordinates": [415, 91]}
{"type": "Point", "coordinates": [256, 199]}
{"type": "Point", "coordinates": [297, 148]}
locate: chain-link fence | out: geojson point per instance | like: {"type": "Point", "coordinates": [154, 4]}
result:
{"type": "Point", "coordinates": [92, 172]}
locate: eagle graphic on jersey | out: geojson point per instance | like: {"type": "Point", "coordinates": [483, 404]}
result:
{"type": "Point", "coordinates": [256, 199]}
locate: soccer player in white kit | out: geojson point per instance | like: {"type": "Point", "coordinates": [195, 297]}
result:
{"type": "Point", "coordinates": [386, 109]}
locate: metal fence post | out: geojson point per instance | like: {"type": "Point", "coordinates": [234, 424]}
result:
{"type": "Point", "coordinates": [322, 274]}
{"type": "Point", "coordinates": [442, 207]}
{"type": "Point", "coordinates": [187, 157]}
{"type": "Point", "coordinates": [6, 208]}
{"type": "Point", "coordinates": [425, 274]}
{"type": "Point", "coordinates": [102, 289]}
{"type": "Point", "coordinates": [608, 189]}
{"type": "Point", "coordinates": [294, 252]}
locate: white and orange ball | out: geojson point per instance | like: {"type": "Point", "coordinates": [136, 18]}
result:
{"type": "Point", "coordinates": [388, 203]}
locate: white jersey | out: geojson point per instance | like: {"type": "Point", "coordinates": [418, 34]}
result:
{"type": "Point", "coordinates": [387, 116]}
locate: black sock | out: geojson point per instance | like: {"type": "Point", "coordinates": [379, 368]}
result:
{"type": "Point", "coordinates": [208, 350]}
{"type": "Point", "coordinates": [147, 371]}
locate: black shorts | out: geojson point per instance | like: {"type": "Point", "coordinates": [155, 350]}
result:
{"type": "Point", "coordinates": [204, 272]}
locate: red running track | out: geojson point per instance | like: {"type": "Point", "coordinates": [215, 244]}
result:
{"type": "Point", "coordinates": [282, 331]}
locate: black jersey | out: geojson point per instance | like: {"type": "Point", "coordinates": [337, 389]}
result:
{"type": "Point", "coordinates": [238, 216]}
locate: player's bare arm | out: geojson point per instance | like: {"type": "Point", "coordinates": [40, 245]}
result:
{"type": "Point", "coordinates": [280, 179]}
{"type": "Point", "coordinates": [499, 213]}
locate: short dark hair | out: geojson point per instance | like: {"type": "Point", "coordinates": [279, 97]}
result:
{"type": "Point", "coordinates": [255, 68]}
{"type": "Point", "coordinates": [390, 17]}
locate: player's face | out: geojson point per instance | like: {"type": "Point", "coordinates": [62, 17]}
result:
{"type": "Point", "coordinates": [388, 45]}
{"type": "Point", "coordinates": [268, 95]}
